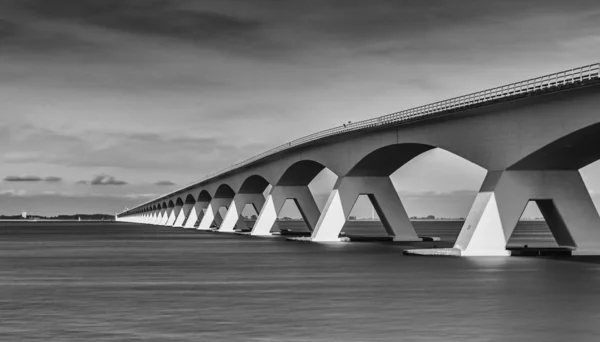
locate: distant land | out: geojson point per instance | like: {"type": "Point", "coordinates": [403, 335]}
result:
{"type": "Point", "coordinates": [86, 217]}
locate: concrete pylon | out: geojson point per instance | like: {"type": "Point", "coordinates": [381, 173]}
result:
{"type": "Point", "coordinates": [233, 217]}
{"type": "Point", "coordinates": [561, 196]}
{"type": "Point", "coordinates": [196, 213]}
{"type": "Point", "coordinates": [175, 214]}
{"type": "Point", "coordinates": [207, 218]}
{"type": "Point", "coordinates": [276, 199]}
{"type": "Point", "coordinates": [183, 214]}
{"type": "Point", "coordinates": [152, 217]}
{"type": "Point", "coordinates": [212, 212]}
{"type": "Point", "coordinates": [155, 217]}
{"type": "Point", "coordinates": [165, 216]}
{"type": "Point", "coordinates": [384, 198]}
{"type": "Point", "coordinates": [170, 216]}
{"type": "Point", "coordinates": [191, 218]}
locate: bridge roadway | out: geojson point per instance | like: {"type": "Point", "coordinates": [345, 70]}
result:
{"type": "Point", "coordinates": [532, 137]}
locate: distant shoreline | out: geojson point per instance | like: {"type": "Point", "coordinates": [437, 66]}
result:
{"type": "Point", "coordinates": [54, 220]}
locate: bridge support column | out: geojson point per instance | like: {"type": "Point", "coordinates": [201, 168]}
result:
{"type": "Point", "coordinates": [152, 219]}
{"type": "Point", "coordinates": [207, 218]}
{"type": "Point", "coordinates": [212, 212]}
{"type": "Point", "coordinates": [171, 215]}
{"type": "Point", "coordinates": [232, 218]}
{"type": "Point", "coordinates": [191, 218]}
{"type": "Point", "coordinates": [561, 196]}
{"type": "Point", "coordinates": [165, 216]}
{"type": "Point", "coordinates": [274, 203]}
{"type": "Point", "coordinates": [196, 213]}
{"type": "Point", "coordinates": [384, 198]}
{"type": "Point", "coordinates": [183, 214]}
{"type": "Point", "coordinates": [176, 213]}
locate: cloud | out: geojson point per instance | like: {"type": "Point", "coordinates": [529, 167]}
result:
{"type": "Point", "coordinates": [22, 179]}
{"type": "Point", "coordinates": [164, 183]}
{"type": "Point", "coordinates": [50, 179]}
{"type": "Point", "coordinates": [14, 192]}
{"type": "Point", "coordinates": [106, 180]}
{"type": "Point", "coordinates": [185, 21]}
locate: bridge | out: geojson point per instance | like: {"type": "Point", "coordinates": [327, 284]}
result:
{"type": "Point", "coordinates": [532, 137]}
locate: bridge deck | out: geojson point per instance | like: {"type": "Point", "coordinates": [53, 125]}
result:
{"type": "Point", "coordinates": [560, 81]}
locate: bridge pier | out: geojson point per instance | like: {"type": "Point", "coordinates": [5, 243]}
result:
{"type": "Point", "coordinates": [165, 216]}
{"type": "Point", "coordinates": [561, 196]}
{"type": "Point", "coordinates": [232, 218]}
{"type": "Point", "coordinates": [274, 203]}
{"type": "Point", "coordinates": [384, 198]}
{"type": "Point", "coordinates": [212, 212]}
{"type": "Point", "coordinates": [195, 213]}
{"type": "Point", "coordinates": [170, 217]}
{"type": "Point", "coordinates": [183, 213]}
{"type": "Point", "coordinates": [207, 218]}
{"type": "Point", "coordinates": [175, 215]}
{"type": "Point", "coordinates": [155, 218]}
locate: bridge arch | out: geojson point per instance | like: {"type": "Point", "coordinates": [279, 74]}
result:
{"type": "Point", "coordinates": [189, 199]}
{"type": "Point", "coordinates": [224, 191]}
{"type": "Point", "coordinates": [300, 173]}
{"type": "Point", "coordinates": [204, 196]}
{"type": "Point", "coordinates": [384, 161]}
{"type": "Point", "coordinates": [254, 184]}
{"type": "Point", "coordinates": [569, 152]}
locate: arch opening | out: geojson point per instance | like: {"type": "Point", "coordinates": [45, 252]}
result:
{"type": "Point", "coordinates": [407, 186]}
{"type": "Point", "coordinates": [291, 220]}
{"type": "Point", "coordinates": [540, 226]}
{"type": "Point", "coordinates": [249, 215]}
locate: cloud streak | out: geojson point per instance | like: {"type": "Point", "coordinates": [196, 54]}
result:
{"type": "Point", "coordinates": [50, 179]}
{"type": "Point", "coordinates": [164, 183]}
{"type": "Point", "coordinates": [106, 180]}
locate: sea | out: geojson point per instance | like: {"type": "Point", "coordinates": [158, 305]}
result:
{"type": "Point", "coordinates": [107, 281]}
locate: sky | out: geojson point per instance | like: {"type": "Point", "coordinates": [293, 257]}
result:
{"type": "Point", "coordinates": [105, 104]}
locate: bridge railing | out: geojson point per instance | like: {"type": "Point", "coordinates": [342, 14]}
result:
{"type": "Point", "coordinates": [552, 82]}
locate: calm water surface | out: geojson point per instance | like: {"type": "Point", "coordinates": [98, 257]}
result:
{"type": "Point", "coordinates": [125, 282]}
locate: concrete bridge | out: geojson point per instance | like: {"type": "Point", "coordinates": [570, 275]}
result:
{"type": "Point", "coordinates": [532, 137]}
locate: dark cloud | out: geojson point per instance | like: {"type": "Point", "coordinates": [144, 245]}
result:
{"type": "Point", "coordinates": [166, 18]}
{"type": "Point", "coordinates": [106, 180]}
{"type": "Point", "coordinates": [51, 179]}
{"type": "Point", "coordinates": [182, 20]}
{"type": "Point", "coordinates": [22, 179]}
{"type": "Point", "coordinates": [82, 182]}
{"type": "Point", "coordinates": [164, 183]}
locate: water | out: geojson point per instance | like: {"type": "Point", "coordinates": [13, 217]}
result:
{"type": "Point", "coordinates": [125, 282]}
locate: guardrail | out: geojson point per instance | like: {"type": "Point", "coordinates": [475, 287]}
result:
{"type": "Point", "coordinates": [553, 82]}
